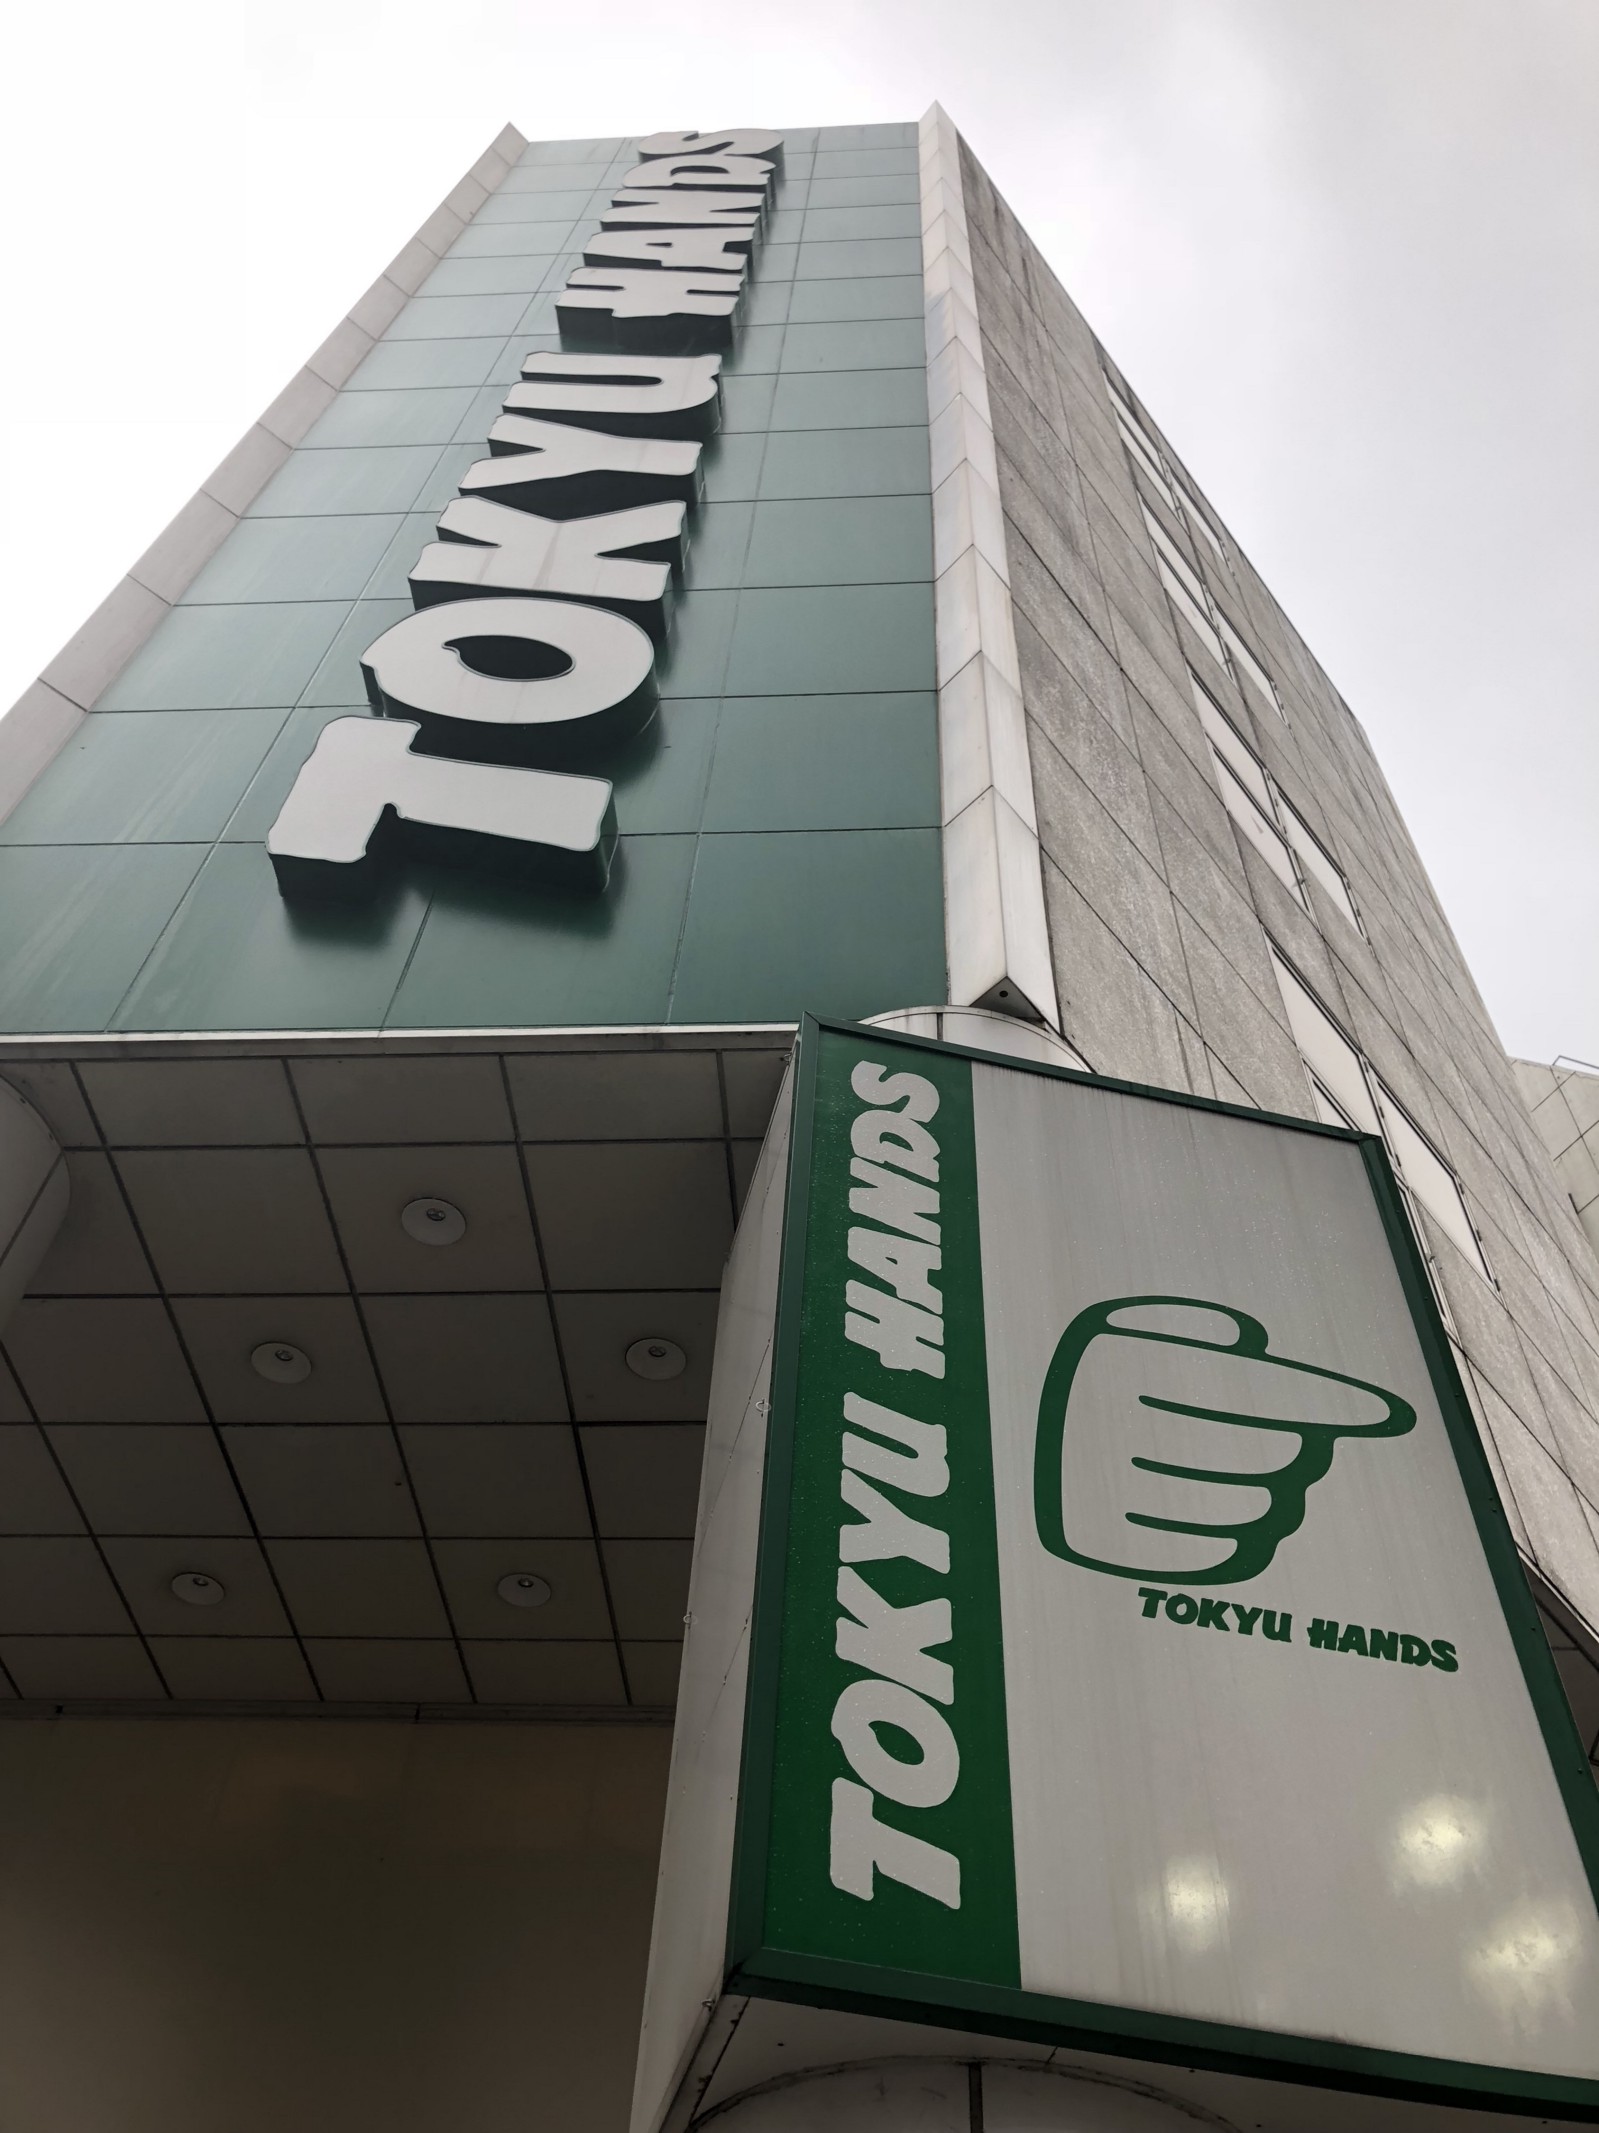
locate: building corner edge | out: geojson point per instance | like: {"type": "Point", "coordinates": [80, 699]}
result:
{"type": "Point", "coordinates": [41, 722]}
{"type": "Point", "coordinates": [996, 929]}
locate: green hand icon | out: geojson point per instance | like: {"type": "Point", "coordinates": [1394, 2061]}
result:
{"type": "Point", "coordinates": [1171, 1445]}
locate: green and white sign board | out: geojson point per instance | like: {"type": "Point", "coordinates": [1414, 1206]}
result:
{"type": "Point", "coordinates": [1139, 1658]}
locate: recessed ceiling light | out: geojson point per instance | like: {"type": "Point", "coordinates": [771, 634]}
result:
{"type": "Point", "coordinates": [522, 1589]}
{"type": "Point", "coordinates": [656, 1358]}
{"type": "Point", "coordinates": [433, 1222]}
{"type": "Point", "coordinates": [195, 1588]}
{"type": "Point", "coordinates": [280, 1363]}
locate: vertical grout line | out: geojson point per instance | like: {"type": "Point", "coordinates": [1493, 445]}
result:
{"type": "Point", "coordinates": [167, 924]}
{"type": "Point", "coordinates": [419, 875]}
{"type": "Point", "coordinates": [974, 2095]}
{"type": "Point", "coordinates": [54, 1458]}
{"type": "Point", "coordinates": [727, 1133]}
{"type": "Point", "coordinates": [378, 1378]}
{"type": "Point", "coordinates": [216, 1431]}
{"type": "Point", "coordinates": [566, 1378]}
{"type": "Point", "coordinates": [188, 1362]}
{"type": "Point", "coordinates": [228, 821]}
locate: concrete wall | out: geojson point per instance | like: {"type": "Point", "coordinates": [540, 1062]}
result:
{"type": "Point", "coordinates": [254, 1925]}
{"type": "Point", "coordinates": [1564, 1102]}
{"type": "Point", "coordinates": [1160, 912]}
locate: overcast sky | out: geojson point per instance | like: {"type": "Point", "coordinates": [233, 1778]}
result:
{"type": "Point", "coordinates": [1345, 250]}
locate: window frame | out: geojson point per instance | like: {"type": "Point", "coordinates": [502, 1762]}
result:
{"type": "Point", "coordinates": [1247, 812]}
{"type": "Point", "coordinates": [1308, 850]}
{"type": "Point", "coordinates": [1200, 608]}
{"type": "Point", "coordinates": [1381, 1101]}
{"type": "Point", "coordinates": [1174, 490]}
{"type": "Point", "coordinates": [1285, 820]}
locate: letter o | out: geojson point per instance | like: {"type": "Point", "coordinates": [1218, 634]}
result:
{"type": "Point", "coordinates": [863, 1707]}
{"type": "Point", "coordinates": [1181, 1607]}
{"type": "Point", "coordinates": [415, 668]}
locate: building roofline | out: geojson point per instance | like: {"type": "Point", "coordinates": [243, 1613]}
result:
{"type": "Point", "coordinates": [48, 712]}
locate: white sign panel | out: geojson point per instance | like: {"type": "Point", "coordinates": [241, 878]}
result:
{"type": "Point", "coordinates": [1140, 1655]}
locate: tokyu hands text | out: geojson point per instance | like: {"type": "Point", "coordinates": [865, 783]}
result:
{"type": "Point", "coordinates": [1323, 1633]}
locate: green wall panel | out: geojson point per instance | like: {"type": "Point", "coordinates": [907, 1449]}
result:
{"type": "Point", "coordinates": [421, 414]}
{"type": "Point", "coordinates": [825, 762]}
{"type": "Point", "coordinates": [147, 777]}
{"type": "Point", "coordinates": [237, 956]}
{"type": "Point", "coordinates": [357, 478]}
{"type": "Point", "coordinates": [321, 558]}
{"type": "Point", "coordinates": [851, 917]}
{"type": "Point", "coordinates": [207, 658]}
{"type": "Point", "coordinates": [77, 921]}
{"type": "Point", "coordinates": [497, 952]}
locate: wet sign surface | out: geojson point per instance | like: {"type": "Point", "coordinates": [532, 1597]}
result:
{"type": "Point", "coordinates": [1140, 1653]}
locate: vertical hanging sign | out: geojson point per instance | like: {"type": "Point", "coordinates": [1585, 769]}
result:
{"type": "Point", "coordinates": [1140, 1657]}
{"type": "Point", "coordinates": [541, 608]}
{"type": "Point", "coordinates": [892, 1630]}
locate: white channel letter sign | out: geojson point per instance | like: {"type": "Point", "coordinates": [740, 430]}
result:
{"type": "Point", "coordinates": [542, 605]}
{"type": "Point", "coordinates": [1140, 1656]}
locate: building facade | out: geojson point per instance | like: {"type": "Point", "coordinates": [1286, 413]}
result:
{"type": "Point", "coordinates": [1565, 1109]}
{"type": "Point", "coordinates": [390, 1020]}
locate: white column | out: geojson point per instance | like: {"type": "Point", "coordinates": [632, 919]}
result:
{"type": "Point", "coordinates": [996, 930]}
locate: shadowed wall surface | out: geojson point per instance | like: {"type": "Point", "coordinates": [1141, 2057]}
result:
{"type": "Point", "coordinates": [258, 1925]}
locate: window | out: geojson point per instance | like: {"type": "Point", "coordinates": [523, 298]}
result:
{"type": "Point", "coordinates": [1187, 593]}
{"type": "Point", "coordinates": [1315, 861]}
{"type": "Point", "coordinates": [1172, 555]}
{"type": "Point", "coordinates": [1347, 1092]}
{"type": "Point", "coordinates": [1200, 524]}
{"type": "Point", "coordinates": [1193, 603]}
{"type": "Point", "coordinates": [1261, 831]}
{"type": "Point", "coordinates": [1200, 612]}
{"type": "Point", "coordinates": [1256, 804]}
{"type": "Point", "coordinates": [1332, 1060]}
{"type": "Point", "coordinates": [1248, 668]}
{"type": "Point", "coordinates": [1428, 1176]}
{"type": "Point", "coordinates": [1141, 444]}
{"type": "Point", "coordinates": [1171, 488]}
{"type": "Point", "coordinates": [1226, 742]}
{"type": "Point", "coordinates": [1136, 443]}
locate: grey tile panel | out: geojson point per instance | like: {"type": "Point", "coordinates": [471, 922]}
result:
{"type": "Point", "coordinates": [1116, 746]}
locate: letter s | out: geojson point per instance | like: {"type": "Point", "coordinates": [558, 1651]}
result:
{"type": "Point", "coordinates": [873, 1084]}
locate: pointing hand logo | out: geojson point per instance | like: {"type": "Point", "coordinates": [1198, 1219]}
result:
{"type": "Point", "coordinates": [1172, 1445]}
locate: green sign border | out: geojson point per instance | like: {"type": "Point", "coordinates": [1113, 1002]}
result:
{"type": "Point", "coordinates": [908, 1996]}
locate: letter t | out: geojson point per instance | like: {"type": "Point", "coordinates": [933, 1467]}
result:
{"type": "Point", "coordinates": [363, 769]}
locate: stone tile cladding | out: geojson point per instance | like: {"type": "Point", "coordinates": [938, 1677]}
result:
{"type": "Point", "coordinates": [1564, 1102]}
{"type": "Point", "coordinates": [1159, 915]}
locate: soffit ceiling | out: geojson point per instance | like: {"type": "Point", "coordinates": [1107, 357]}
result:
{"type": "Point", "coordinates": [469, 1414]}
